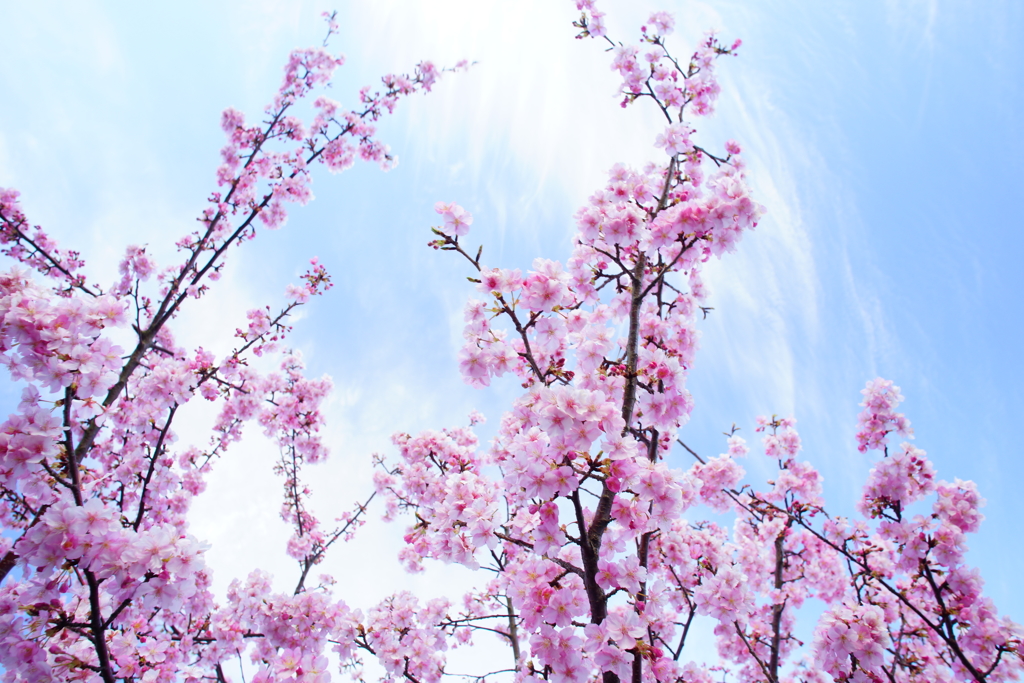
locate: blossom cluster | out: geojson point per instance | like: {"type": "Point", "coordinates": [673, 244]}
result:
{"type": "Point", "coordinates": [456, 507]}
{"type": "Point", "coordinates": [879, 417]}
{"type": "Point", "coordinates": [852, 637]}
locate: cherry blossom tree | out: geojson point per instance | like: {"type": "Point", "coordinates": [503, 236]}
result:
{"type": "Point", "coordinates": [595, 572]}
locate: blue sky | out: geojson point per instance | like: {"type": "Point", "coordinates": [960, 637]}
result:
{"type": "Point", "coordinates": [881, 136]}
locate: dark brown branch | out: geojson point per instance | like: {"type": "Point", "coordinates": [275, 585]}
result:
{"type": "Point", "coordinates": [157, 452]}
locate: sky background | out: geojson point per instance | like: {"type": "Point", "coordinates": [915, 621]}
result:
{"type": "Point", "coordinates": [883, 138]}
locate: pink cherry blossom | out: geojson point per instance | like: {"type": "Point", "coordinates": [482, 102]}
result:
{"type": "Point", "coordinates": [586, 509]}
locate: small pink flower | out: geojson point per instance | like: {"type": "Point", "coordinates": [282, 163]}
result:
{"type": "Point", "coordinates": [456, 219]}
